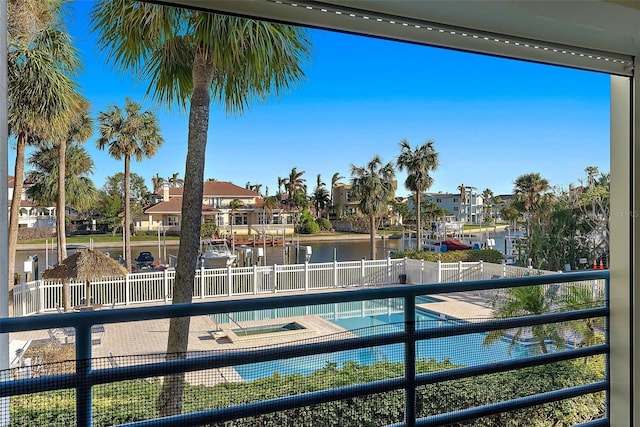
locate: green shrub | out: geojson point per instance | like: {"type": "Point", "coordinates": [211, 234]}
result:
{"type": "Point", "coordinates": [472, 255]}
{"type": "Point", "coordinates": [324, 224]}
{"type": "Point", "coordinates": [310, 227]}
{"type": "Point", "coordinates": [208, 229]}
{"type": "Point", "coordinates": [130, 401]}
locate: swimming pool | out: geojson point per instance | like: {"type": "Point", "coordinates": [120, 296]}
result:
{"type": "Point", "coordinates": [463, 349]}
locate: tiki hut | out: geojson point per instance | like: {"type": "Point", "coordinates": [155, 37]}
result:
{"type": "Point", "coordinates": [85, 265]}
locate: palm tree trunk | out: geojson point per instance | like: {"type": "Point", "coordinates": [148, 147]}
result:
{"type": "Point", "coordinates": [60, 208]}
{"type": "Point", "coordinates": [127, 211]}
{"type": "Point", "coordinates": [169, 401]}
{"type": "Point", "coordinates": [14, 214]}
{"type": "Point", "coordinates": [419, 227]}
{"type": "Point", "coordinates": [372, 236]}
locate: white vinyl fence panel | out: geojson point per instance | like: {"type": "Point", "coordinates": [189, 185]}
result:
{"type": "Point", "coordinates": [154, 287]}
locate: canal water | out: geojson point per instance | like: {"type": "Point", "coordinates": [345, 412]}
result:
{"type": "Point", "coordinates": [324, 251]}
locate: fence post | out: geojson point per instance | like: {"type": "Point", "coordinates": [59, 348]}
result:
{"type": "Point", "coordinates": [166, 285]}
{"type": "Point", "coordinates": [421, 270]}
{"type": "Point", "coordinates": [24, 294]}
{"type": "Point", "coordinates": [459, 271]}
{"type": "Point", "coordinates": [255, 279]}
{"type": "Point", "coordinates": [274, 285]}
{"type": "Point", "coordinates": [362, 272]}
{"type": "Point", "coordinates": [504, 268]}
{"type": "Point", "coordinates": [201, 282]}
{"type": "Point", "coordinates": [482, 268]}
{"type": "Point", "coordinates": [439, 271]}
{"type": "Point", "coordinates": [335, 273]}
{"type": "Point", "coordinates": [306, 275]}
{"type": "Point", "coordinates": [388, 270]}
{"type": "Point", "coordinates": [229, 281]}
{"type": "Point", "coordinates": [127, 291]}
{"type": "Point", "coordinates": [39, 287]}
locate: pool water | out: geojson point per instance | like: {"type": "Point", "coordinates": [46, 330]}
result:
{"type": "Point", "coordinates": [463, 349]}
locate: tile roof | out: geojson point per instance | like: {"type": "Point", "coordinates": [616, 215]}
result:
{"type": "Point", "coordinates": [217, 189]}
{"type": "Point", "coordinates": [174, 206]}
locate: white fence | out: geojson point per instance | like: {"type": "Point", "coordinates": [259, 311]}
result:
{"type": "Point", "coordinates": [156, 287]}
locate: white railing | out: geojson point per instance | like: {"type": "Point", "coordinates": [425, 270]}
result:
{"type": "Point", "coordinates": [157, 287]}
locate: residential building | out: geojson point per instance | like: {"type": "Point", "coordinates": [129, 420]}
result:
{"type": "Point", "coordinates": [250, 218]}
{"type": "Point", "coordinates": [468, 210]}
{"type": "Point", "coordinates": [344, 204]}
{"type": "Point", "coordinates": [31, 215]}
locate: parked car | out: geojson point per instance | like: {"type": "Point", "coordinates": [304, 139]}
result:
{"type": "Point", "coordinates": [145, 259]}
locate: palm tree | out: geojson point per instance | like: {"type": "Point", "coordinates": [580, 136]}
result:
{"type": "Point", "coordinates": [157, 182]}
{"type": "Point", "coordinates": [43, 175]}
{"type": "Point", "coordinates": [592, 172]}
{"type": "Point", "coordinates": [128, 133]}
{"type": "Point", "coordinates": [294, 183]}
{"type": "Point", "coordinates": [190, 56]}
{"type": "Point", "coordinates": [234, 205]}
{"type": "Point", "coordinates": [41, 66]}
{"type": "Point", "coordinates": [418, 163]}
{"type": "Point", "coordinates": [271, 203]}
{"type": "Point", "coordinates": [321, 200]}
{"type": "Point", "coordinates": [372, 184]}
{"type": "Point", "coordinates": [281, 185]}
{"type": "Point", "coordinates": [463, 201]}
{"type": "Point", "coordinates": [528, 301]}
{"type": "Point", "coordinates": [80, 128]}
{"type": "Point", "coordinates": [529, 188]}
{"type": "Point", "coordinates": [174, 181]}
{"type": "Point", "coordinates": [487, 200]}
{"type": "Point", "coordinates": [334, 180]}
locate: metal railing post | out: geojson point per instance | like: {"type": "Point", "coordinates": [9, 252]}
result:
{"type": "Point", "coordinates": [84, 392]}
{"type": "Point", "coordinates": [410, 361]}
{"type": "Point", "coordinates": [229, 282]}
{"type": "Point", "coordinates": [335, 273]}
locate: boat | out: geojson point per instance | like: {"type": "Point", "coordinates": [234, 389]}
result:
{"type": "Point", "coordinates": [455, 245]}
{"type": "Point", "coordinates": [216, 254]}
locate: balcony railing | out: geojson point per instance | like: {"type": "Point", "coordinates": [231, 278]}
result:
{"type": "Point", "coordinates": [407, 339]}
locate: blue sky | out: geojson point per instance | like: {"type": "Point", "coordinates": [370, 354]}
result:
{"type": "Point", "coordinates": [492, 119]}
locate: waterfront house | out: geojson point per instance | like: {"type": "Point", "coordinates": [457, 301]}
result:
{"type": "Point", "coordinates": [344, 205]}
{"type": "Point", "coordinates": [31, 215]}
{"type": "Point", "coordinates": [250, 218]}
{"type": "Point", "coordinates": [468, 210]}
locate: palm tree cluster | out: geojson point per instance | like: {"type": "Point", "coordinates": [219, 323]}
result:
{"type": "Point", "coordinates": [47, 111]}
{"type": "Point", "coordinates": [537, 300]}
{"type": "Point", "coordinates": [561, 227]}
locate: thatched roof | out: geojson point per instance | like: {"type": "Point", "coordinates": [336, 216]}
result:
{"type": "Point", "coordinates": [85, 265]}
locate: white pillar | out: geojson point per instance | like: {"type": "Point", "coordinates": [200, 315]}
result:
{"type": "Point", "coordinates": [4, 207]}
{"type": "Point", "coordinates": [624, 238]}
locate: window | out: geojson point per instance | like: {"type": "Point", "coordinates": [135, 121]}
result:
{"type": "Point", "coordinates": [173, 220]}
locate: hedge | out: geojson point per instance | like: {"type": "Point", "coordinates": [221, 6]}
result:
{"type": "Point", "coordinates": [130, 401]}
